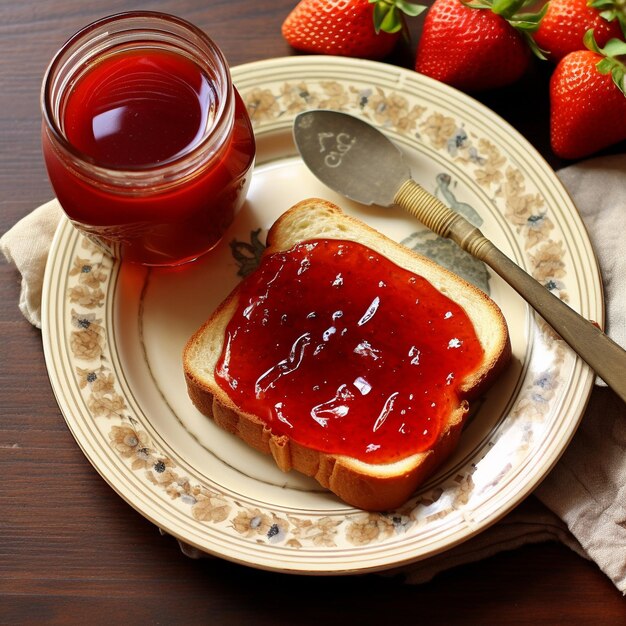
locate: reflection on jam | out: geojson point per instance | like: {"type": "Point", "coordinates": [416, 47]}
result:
{"type": "Point", "coordinates": [345, 352]}
{"type": "Point", "coordinates": [138, 108]}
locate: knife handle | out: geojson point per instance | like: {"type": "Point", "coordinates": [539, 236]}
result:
{"type": "Point", "coordinates": [601, 353]}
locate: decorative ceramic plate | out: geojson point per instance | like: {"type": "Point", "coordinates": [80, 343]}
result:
{"type": "Point", "coordinates": [113, 336]}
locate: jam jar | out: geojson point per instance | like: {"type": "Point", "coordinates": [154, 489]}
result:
{"type": "Point", "coordinates": [147, 143]}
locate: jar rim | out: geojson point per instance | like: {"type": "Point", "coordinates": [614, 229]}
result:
{"type": "Point", "coordinates": [161, 170]}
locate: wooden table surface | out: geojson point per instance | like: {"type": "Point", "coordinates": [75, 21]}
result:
{"type": "Point", "coordinates": [71, 550]}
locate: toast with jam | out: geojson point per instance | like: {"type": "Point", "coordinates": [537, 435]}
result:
{"type": "Point", "coordinates": [347, 357]}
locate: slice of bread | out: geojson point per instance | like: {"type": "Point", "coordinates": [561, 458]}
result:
{"type": "Point", "coordinates": [359, 483]}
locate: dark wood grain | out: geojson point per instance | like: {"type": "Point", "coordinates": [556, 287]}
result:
{"type": "Point", "coordinates": [71, 551]}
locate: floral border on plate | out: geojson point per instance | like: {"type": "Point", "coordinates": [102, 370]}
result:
{"type": "Point", "coordinates": [388, 109]}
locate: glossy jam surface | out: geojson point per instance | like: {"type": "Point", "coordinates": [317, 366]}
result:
{"type": "Point", "coordinates": [135, 109]}
{"type": "Point", "coordinates": [345, 352]}
{"type": "Point", "coordinates": [143, 108]}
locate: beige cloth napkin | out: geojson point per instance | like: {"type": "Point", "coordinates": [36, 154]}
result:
{"type": "Point", "coordinates": [586, 492]}
{"type": "Point", "coordinates": [26, 246]}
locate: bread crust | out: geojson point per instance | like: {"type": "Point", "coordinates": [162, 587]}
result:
{"type": "Point", "coordinates": [374, 487]}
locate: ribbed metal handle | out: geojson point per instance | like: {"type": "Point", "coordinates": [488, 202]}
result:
{"type": "Point", "coordinates": [601, 353]}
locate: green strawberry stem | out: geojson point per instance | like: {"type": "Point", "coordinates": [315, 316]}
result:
{"type": "Point", "coordinates": [524, 23]}
{"type": "Point", "coordinates": [508, 9]}
{"type": "Point", "coordinates": [611, 61]}
{"type": "Point", "coordinates": [389, 15]}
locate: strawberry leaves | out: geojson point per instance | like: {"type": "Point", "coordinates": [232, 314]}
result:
{"type": "Point", "coordinates": [510, 11]}
{"type": "Point", "coordinates": [611, 62]}
{"type": "Point", "coordinates": [389, 14]}
{"type": "Point", "coordinates": [525, 23]}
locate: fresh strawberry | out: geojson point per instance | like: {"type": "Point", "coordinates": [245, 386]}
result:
{"type": "Point", "coordinates": [587, 100]}
{"type": "Point", "coordinates": [565, 23]}
{"type": "Point", "coordinates": [355, 28]}
{"type": "Point", "coordinates": [476, 45]}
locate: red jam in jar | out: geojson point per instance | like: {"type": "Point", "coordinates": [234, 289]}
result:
{"type": "Point", "coordinates": [345, 352]}
{"type": "Point", "coordinates": [147, 143]}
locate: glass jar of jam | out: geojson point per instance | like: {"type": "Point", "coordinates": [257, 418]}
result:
{"type": "Point", "coordinates": [147, 143]}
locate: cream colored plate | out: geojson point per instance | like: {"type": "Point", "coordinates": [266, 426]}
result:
{"type": "Point", "coordinates": [113, 335]}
